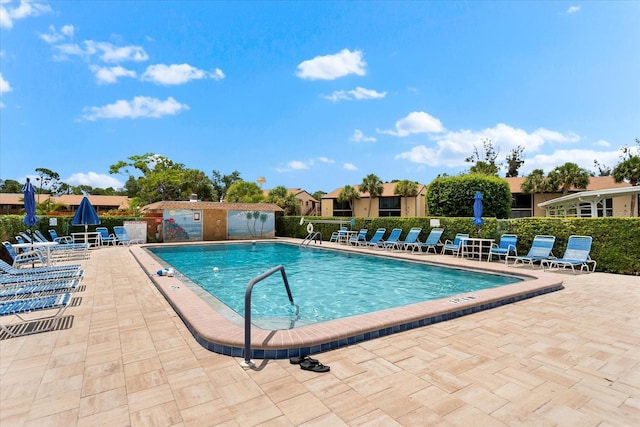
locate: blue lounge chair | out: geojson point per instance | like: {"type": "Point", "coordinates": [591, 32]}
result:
{"type": "Point", "coordinates": [575, 255]}
{"type": "Point", "coordinates": [121, 235]}
{"type": "Point", "coordinates": [410, 239]}
{"type": "Point", "coordinates": [432, 242]}
{"type": "Point", "coordinates": [541, 249]}
{"type": "Point", "coordinates": [375, 239]}
{"type": "Point", "coordinates": [455, 246]}
{"type": "Point", "coordinates": [9, 269]}
{"type": "Point", "coordinates": [506, 247]}
{"type": "Point", "coordinates": [60, 239]}
{"type": "Point", "coordinates": [35, 289]}
{"type": "Point", "coordinates": [105, 237]}
{"type": "Point", "coordinates": [19, 307]}
{"type": "Point", "coordinates": [390, 242]}
{"type": "Point", "coordinates": [360, 237]}
{"type": "Point", "coordinates": [60, 252]}
{"type": "Point", "coordinates": [339, 235]}
{"type": "Point", "coordinates": [24, 258]}
{"type": "Point", "coordinates": [14, 279]}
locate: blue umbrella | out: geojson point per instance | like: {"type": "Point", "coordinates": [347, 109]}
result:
{"type": "Point", "coordinates": [477, 210]}
{"type": "Point", "coordinates": [29, 204]}
{"type": "Point", "coordinates": [85, 215]}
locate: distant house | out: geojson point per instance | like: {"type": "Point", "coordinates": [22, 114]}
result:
{"type": "Point", "coordinates": [388, 204]}
{"type": "Point", "coordinates": [309, 206]}
{"type": "Point", "coordinates": [601, 194]}
{"type": "Point", "coordinates": [12, 203]}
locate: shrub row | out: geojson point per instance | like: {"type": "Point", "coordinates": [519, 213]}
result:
{"type": "Point", "coordinates": [616, 241]}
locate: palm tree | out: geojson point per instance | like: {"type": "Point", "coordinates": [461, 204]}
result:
{"type": "Point", "coordinates": [373, 185]}
{"type": "Point", "coordinates": [406, 189]}
{"type": "Point", "coordinates": [535, 182]}
{"type": "Point", "coordinates": [629, 170]}
{"type": "Point", "coordinates": [569, 175]}
{"type": "Point", "coordinates": [348, 194]}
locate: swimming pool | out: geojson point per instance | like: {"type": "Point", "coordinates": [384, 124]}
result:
{"type": "Point", "coordinates": [212, 324]}
{"type": "Point", "coordinates": [326, 284]}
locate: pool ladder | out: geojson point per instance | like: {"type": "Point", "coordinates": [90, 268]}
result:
{"type": "Point", "coordinates": [314, 235]}
{"type": "Point", "coordinates": [247, 307]}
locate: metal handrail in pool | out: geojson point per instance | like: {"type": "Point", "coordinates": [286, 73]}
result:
{"type": "Point", "coordinates": [247, 307]}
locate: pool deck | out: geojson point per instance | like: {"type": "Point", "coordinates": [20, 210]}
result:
{"type": "Point", "coordinates": [569, 358]}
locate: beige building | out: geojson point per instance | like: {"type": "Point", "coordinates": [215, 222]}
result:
{"type": "Point", "coordinates": [12, 203]}
{"type": "Point", "coordinates": [388, 204]}
{"type": "Point", "coordinates": [610, 204]}
{"type": "Point", "coordinates": [309, 206]}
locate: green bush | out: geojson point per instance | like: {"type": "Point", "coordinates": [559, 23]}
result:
{"type": "Point", "coordinates": [616, 241]}
{"type": "Point", "coordinates": [453, 196]}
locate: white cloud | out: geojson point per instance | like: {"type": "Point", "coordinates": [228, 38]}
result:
{"type": "Point", "coordinates": [331, 67]}
{"type": "Point", "coordinates": [349, 167]}
{"type": "Point", "coordinates": [415, 122]}
{"type": "Point", "coordinates": [139, 107]}
{"type": "Point", "coordinates": [55, 36]}
{"type": "Point", "coordinates": [358, 136]}
{"type": "Point", "coordinates": [358, 94]}
{"type": "Point", "coordinates": [107, 52]}
{"type": "Point", "coordinates": [584, 158]}
{"type": "Point", "coordinates": [602, 143]}
{"type": "Point", "coordinates": [94, 180]}
{"type": "Point", "coordinates": [451, 148]}
{"type": "Point", "coordinates": [176, 74]}
{"type": "Point", "coordinates": [10, 13]}
{"type": "Point", "coordinates": [573, 9]}
{"type": "Point", "coordinates": [326, 160]}
{"type": "Point", "coordinates": [107, 75]}
{"type": "Point", "coordinates": [294, 165]}
{"type": "Point", "coordinates": [4, 85]}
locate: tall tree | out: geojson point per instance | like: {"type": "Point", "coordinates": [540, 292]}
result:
{"type": "Point", "coordinates": [318, 194]}
{"type": "Point", "coordinates": [221, 183]}
{"type": "Point", "coordinates": [514, 161]}
{"type": "Point", "coordinates": [484, 164]}
{"type": "Point", "coordinates": [349, 194]}
{"type": "Point", "coordinates": [536, 182]}
{"type": "Point", "coordinates": [197, 182]}
{"type": "Point", "coordinates": [629, 170]}
{"type": "Point", "coordinates": [373, 185]}
{"type": "Point", "coordinates": [10, 186]}
{"type": "Point", "coordinates": [282, 197]}
{"type": "Point", "coordinates": [406, 189]}
{"type": "Point", "coordinates": [48, 178]}
{"type": "Point", "coordinates": [567, 176]}
{"type": "Point", "coordinates": [244, 192]}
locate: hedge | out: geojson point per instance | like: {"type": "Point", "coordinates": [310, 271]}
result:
{"type": "Point", "coordinates": [616, 241]}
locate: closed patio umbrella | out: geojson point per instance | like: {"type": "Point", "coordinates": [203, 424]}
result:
{"type": "Point", "coordinates": [85, 215]}
{"type": "Point", "coordinates": [477, 211]}
{"type": "Point", "coordinates": [30, 218]}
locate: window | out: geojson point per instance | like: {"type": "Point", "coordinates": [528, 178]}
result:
{"type": "Point", "coordinates": [389, 206]}
{"type": "Point", "coordinates": [521, 205]}
{"type": "Point", "coordinates": [341, 209]}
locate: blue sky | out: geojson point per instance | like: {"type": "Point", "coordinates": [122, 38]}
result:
{"type": "Point", "coordinates": [314, 95]}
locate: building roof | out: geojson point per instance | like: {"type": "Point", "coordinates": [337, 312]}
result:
{"type": "Point", "coordinates": [167, 204]}
{"type": "Point", "coordinates": [117, 202]}
{"type": "Point", "coordinates": [387, 191]}
{"type": "Point", "coordinates": [295, 191]}
{"type": "Point", "coordinates": [595, 183]}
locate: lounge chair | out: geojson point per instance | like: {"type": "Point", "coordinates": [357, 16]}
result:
{"type": "Point", "coordinates": [9, 269]}
{"type": "Point", "coordinates": [105, 237]}
{"type": "Point", "coordinates": [506, 247]}
{"type": "Point", "coordinates": [19, 307]}
{"type": "Point", "coordinates": [355, 239]}
{"type": "Point", "coordinates": [39, 277]}
{"type": "Point", "coordinates": [339, 235]}
{"type": "Point", "coordinates": [541, 249]}
{"type": "Point", "coordinates": [455, 246]}
{"type": "Point", "coordinates": [375, 239]}
{"type": "Point", "coordinates": [121, 235]}
{"type": "Point", "coordinates": [60, 239]}
{"type": "Point", "coordinates": [24, 258]}
{"type": "Point", "coordinates": [432, 241]}
{"type": "Point", "coordinates": [61, 252]}
{"type": "Point", "coordinates": [409, 240]}
{"type": "Point", "coordinates": [391, 241]}
{"type": "Point", "coordinates": [576, 254]}
{"type": "Point", "coordinates": [36, 289]}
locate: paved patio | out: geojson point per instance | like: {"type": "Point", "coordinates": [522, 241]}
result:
{"type": "Point", "coordinates": [568, 358]}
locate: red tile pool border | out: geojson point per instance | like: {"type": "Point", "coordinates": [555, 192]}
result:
{"type": "Point", "coordinates": [216, 333]}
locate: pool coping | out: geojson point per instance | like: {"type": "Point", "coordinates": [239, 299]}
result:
{"type": "Point", "coordinates": [215, 332]}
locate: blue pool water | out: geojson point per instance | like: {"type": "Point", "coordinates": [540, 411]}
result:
{"type": "Point", "coordinates": [325, 284]}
